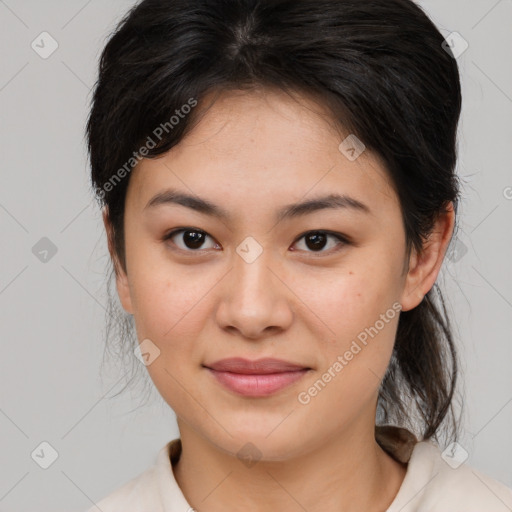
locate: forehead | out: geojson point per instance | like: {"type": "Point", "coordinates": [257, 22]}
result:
{"type": "Point", "coordinates": [265, 146]}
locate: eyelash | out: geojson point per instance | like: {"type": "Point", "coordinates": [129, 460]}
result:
{"type": "Point", "coordinates": [343, 240]}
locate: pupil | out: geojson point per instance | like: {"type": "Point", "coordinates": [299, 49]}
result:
{"type": "Point", "coordinates": [193, 239]}
{"type": "Point", "coordinates": [318, 241]}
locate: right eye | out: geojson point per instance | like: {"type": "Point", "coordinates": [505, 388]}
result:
{"type": "Point", "coordinates": [192, 240]}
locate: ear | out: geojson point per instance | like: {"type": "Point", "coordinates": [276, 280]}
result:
{"type": "Point", "coordinates": [424, 268]}
{"type": "Point", "coordinates": [122, 285]}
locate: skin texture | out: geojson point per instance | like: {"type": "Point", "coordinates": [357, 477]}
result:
{"type": "Point", "coordinates": [253, 153]}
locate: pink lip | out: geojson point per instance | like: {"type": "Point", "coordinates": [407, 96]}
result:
{"type": "Point", "coordinates": [256, 378]}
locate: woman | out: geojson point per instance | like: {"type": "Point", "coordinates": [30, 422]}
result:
{"type": "Point", "coordinates": [278, 190]}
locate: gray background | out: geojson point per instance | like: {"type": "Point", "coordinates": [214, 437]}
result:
{"type": "Point", "coordinates": [52, 313]}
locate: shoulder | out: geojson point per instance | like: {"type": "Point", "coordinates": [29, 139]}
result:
{"type": "Point", "coordinates": [135, 495]}
{"type": "Point", "coordinates": [153, 490]}
{"type": "Point", "coordinates": [438, 483]}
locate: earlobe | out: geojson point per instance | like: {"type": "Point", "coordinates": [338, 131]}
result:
{"type": "Point", "coordinates": [122, 285]}
{"type": "Point", "coordinates": [424, 267]}
{"type": "Point", "coordinates": [123, 290]}
{"type": "Point", "coordinates": [412, 295]}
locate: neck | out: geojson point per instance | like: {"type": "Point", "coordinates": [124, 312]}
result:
{"type": "Point", "coordinates": [348, 473]}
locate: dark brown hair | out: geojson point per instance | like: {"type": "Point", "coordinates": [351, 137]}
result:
{"type": "Point", "coordinates": [382, 71]}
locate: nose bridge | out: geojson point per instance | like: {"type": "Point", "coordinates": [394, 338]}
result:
{"type": "Point", "coordinates": [252, 270]}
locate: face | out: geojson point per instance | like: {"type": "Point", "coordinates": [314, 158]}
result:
{"type": "Point", "coordinates": [318, 286]}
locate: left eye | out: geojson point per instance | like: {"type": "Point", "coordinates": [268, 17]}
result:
{"type": "Point", "coordinates": [317, 240]}
{"type": "Point", "coordinates": [194, 238]}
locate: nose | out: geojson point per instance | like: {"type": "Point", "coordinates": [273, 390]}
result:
{"type": "Point", "coordinates": [255, 300]}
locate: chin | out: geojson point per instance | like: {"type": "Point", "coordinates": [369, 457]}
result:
{"type": "Point", "coordinates": [251, 445]}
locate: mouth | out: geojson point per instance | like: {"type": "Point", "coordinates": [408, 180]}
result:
{"type": "Point", "coordinates": [258, 378]}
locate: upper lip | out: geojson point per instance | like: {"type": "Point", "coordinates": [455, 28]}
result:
{"type": "Point", "coordinates": [259, 366]}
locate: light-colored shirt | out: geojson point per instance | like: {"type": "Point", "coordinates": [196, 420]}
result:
{"type": "Point", "coordinates": [435, 481]}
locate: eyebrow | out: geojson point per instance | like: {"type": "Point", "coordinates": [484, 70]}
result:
{"type": "Point", "coordinates": [331, 201]}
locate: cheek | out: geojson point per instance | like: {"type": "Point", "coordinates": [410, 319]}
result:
{"type": "Point", "coordinates": [361, 311]}
{"type": "Point", "coordinates": [167, 298]}
{"type": "Point", "coordinates": [347, 300]}
{"type": "Point", "coordinates": [171, 314]}
{"type": "Point", "coordinates": [354, 362]}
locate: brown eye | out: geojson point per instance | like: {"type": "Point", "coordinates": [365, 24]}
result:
{"type": "Point", "coordinates": [316, 241]}
{"type": "Point", "coordinates": [189, 239]}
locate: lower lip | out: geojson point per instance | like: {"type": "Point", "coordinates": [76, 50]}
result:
{"type": "Point", "coordinates": [257, 385]}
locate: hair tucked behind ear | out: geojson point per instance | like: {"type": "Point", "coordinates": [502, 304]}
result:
{"type": "Point", "coordinates": [424, 362]}
{"type": "Point", "coordinates": [379, 67]}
